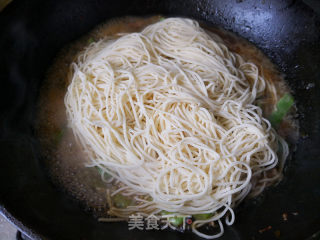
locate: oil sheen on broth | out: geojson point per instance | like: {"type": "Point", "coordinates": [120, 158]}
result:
{"type": "Point", "coordinates": [65, 161]}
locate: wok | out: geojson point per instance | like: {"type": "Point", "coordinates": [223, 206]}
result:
{"type": "Point", "coordinates": [33, 31]}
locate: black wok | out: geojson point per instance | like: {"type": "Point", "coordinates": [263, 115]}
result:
{"type": "Point", "coordinates": [32, 32]}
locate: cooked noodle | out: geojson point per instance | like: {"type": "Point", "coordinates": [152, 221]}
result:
{"type": "Point", "coordinates": [170, 114]}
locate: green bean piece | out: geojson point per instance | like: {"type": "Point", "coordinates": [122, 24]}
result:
{"type": "Point", "coordinates": [58, 136]}
{"type": "Point", "coordinates": [99, 170]}
{"type": "Point", "coordinates": [106, 175]}
{"type": "Point", "coordinates": [121, 201]}
{"type": "Point", "coordinates": [175, 221]}
{"type": "Point", "coordinates": [282, 108]}
{"type": "Point", "coordinates": [203, 216]}
{"type": "Point", "coordinates": [90, 40]}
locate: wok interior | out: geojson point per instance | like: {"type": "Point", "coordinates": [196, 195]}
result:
{"type": "Point", "coordinates": [287, 31]}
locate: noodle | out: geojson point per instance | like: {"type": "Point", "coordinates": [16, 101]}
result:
{"type": "Point", "coordinates": [170, 114]}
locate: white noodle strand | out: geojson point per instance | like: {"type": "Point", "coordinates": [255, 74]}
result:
{"type": "Point", "coordinates": [169, 113]}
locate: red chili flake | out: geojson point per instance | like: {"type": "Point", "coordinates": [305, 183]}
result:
{"type": "Point", "coordinates": [189, 221]}
{"type": "Point", "coordinates": [285, 216]}
{"type": "Point", "coordinates": [265, 229]}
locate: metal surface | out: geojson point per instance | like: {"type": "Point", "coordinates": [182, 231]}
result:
{"type": "Point", "coordinates": [31, 33]}
{"type": "Point", "coordinates": [7, 230]}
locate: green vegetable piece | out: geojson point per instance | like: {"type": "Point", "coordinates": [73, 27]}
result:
{"type": "Point", "coordinates": [162, 18]}
{"type": "Point", "coordinates": [106, 175]}
{"type": "Point", "coordinates": [121, 201]}
{"type": "Point", "coordinates": [99, 170]}
{"type": "Point", "coordinates": [203, 216]}
{"type": "Point", "coordinates": [58, 136]}
{"type": "Point", "coordinates": [175, 221]}
{"type": "Point", "coordinates": [163, 212]}
{"type": "Point", "coordinates": [282, 108]}
{"type": "Point", "coordinates": [91, 40]}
